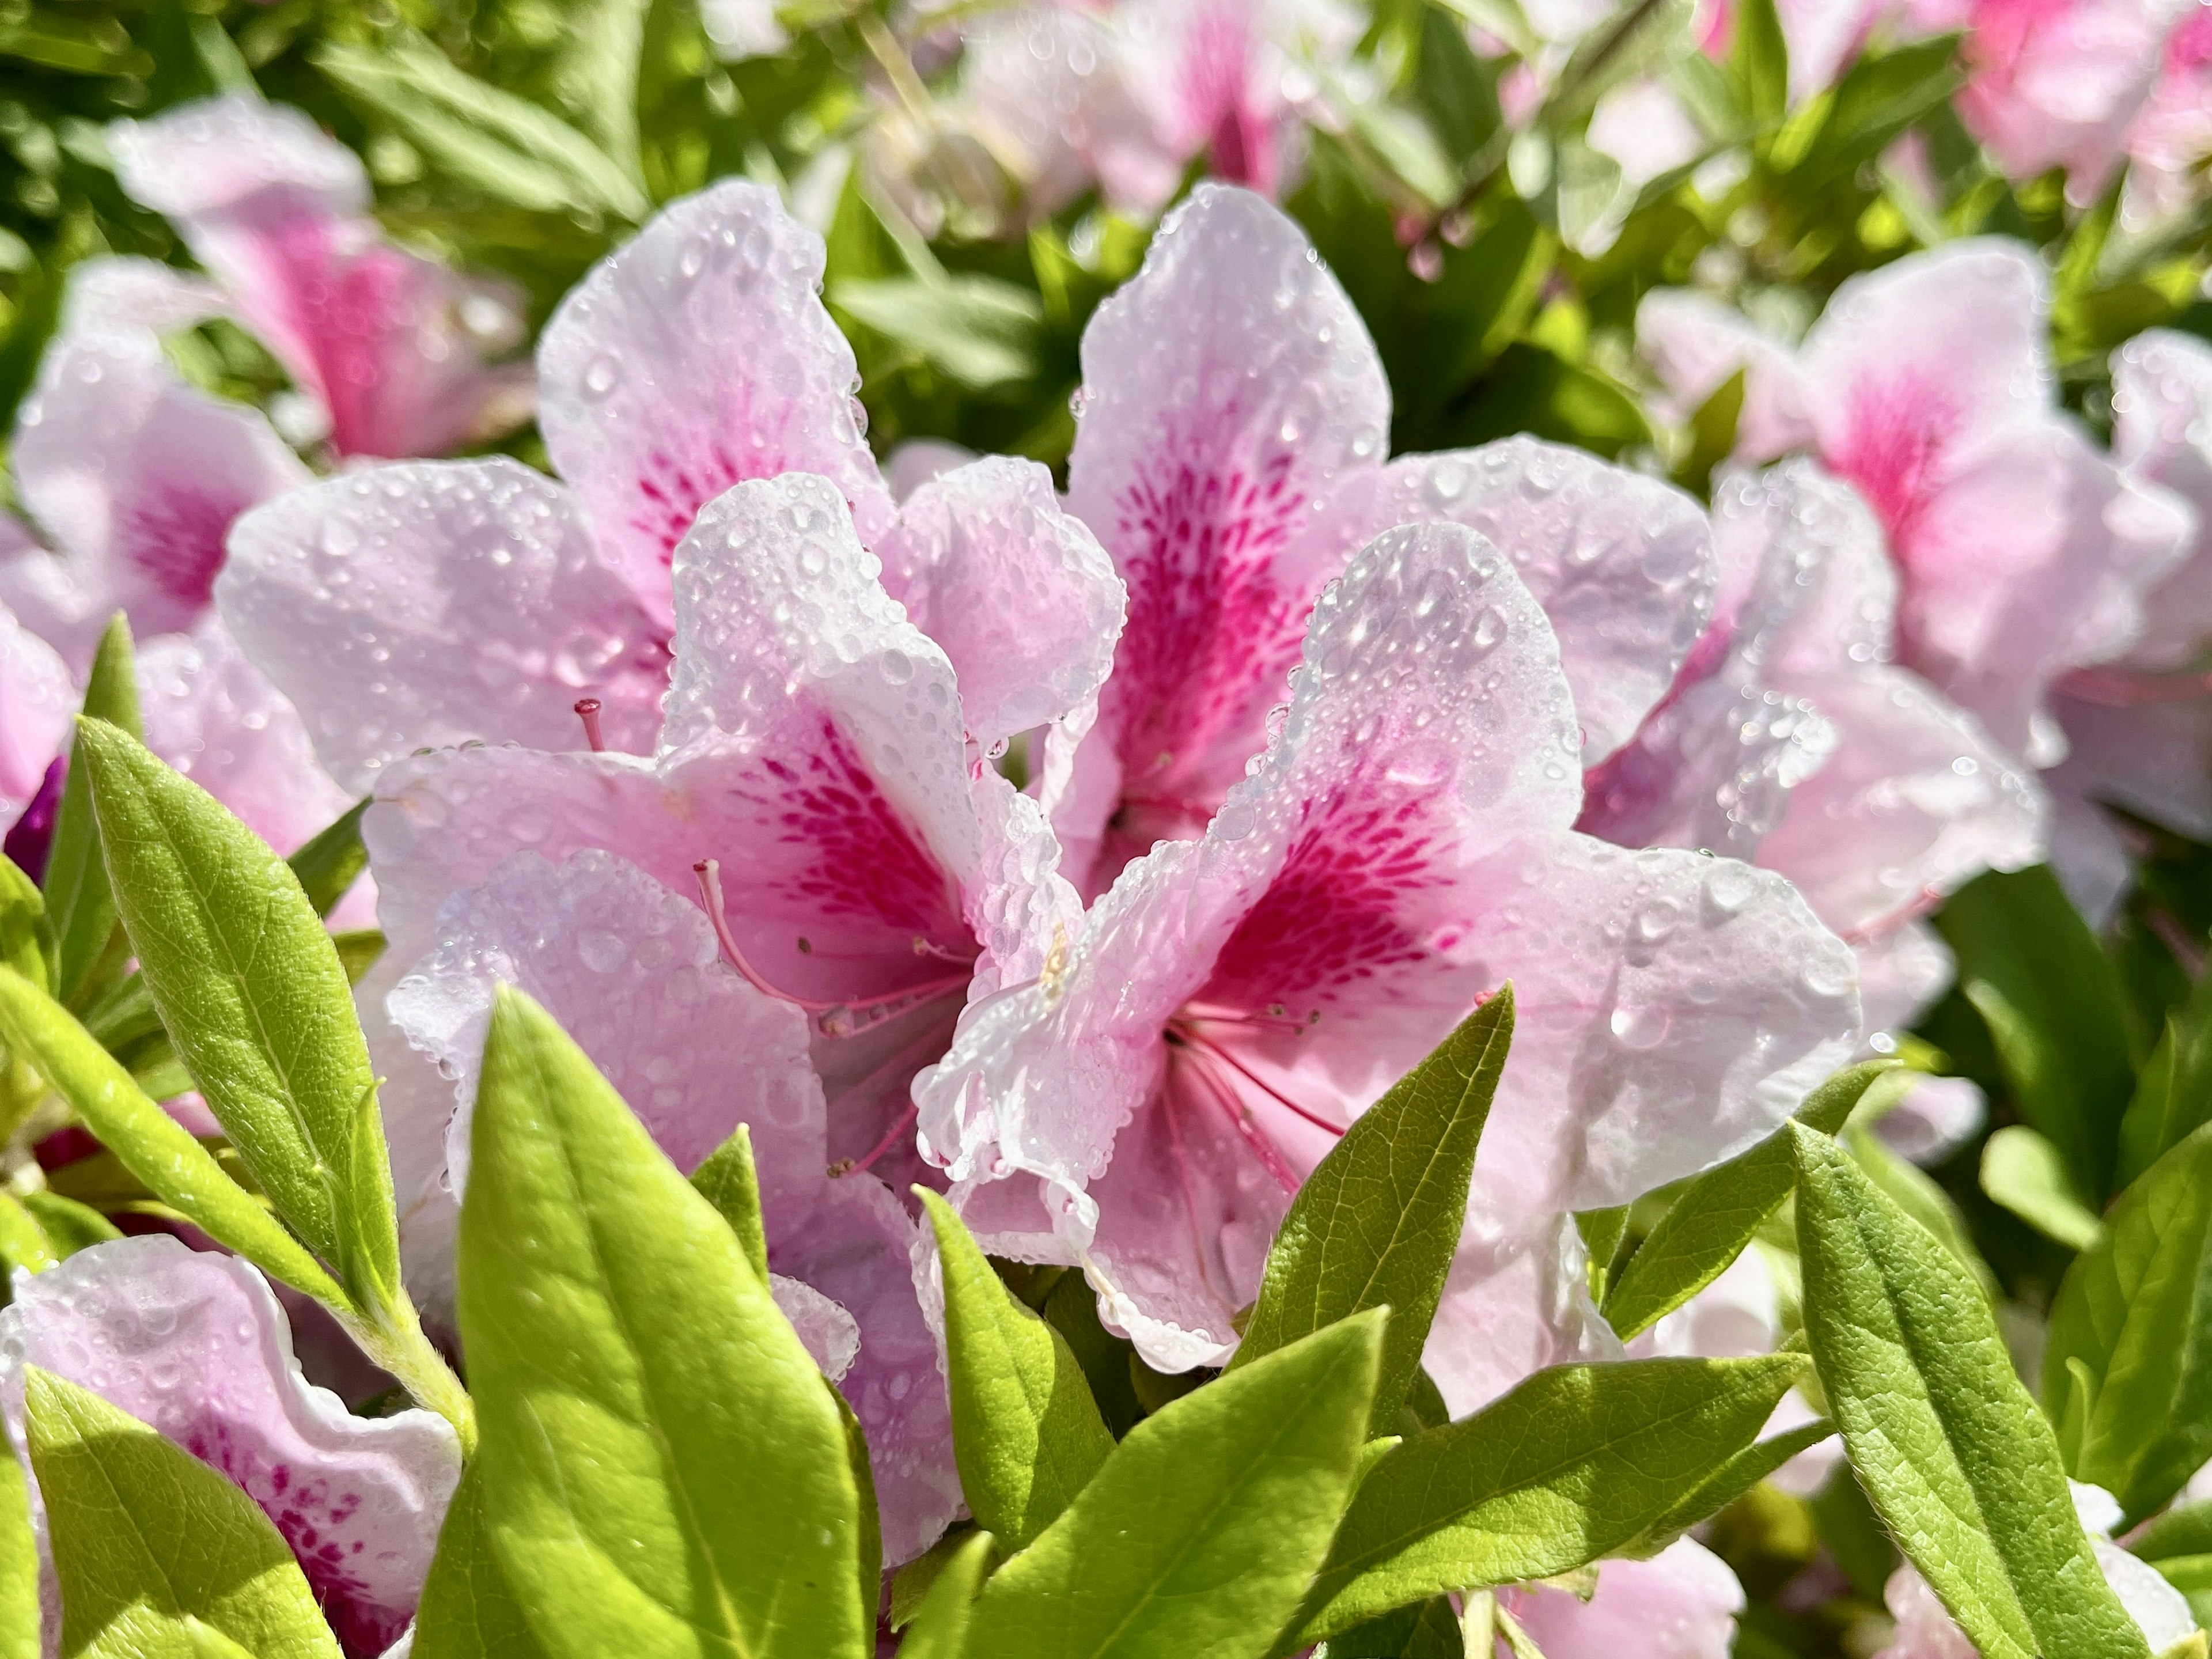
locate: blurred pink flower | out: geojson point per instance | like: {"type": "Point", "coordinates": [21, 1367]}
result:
{"type": "Point", "coordinates": [194, 1344]}
{"type": "Point", "coordinates": [389, 344]}
{"type": "Point", "coordinates": [1680, 1604]}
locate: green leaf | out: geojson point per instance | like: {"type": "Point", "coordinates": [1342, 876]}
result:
{"type": "Point", "coordinates": [1726, 1483]}
{"type": "Point", "coordinates": [469, 1609]}
{"type": "Point", "coordinates": [23, 930]}
{"type": "Point", "coordinates": [2134, 1313]}
{"type": "Point", "coordinates": [19, 1618]}
{"type": "Point", "coordinates": [1201, 1531]}
{"type": "Point", "coordinates": [939, 1627]}
{"type": "Point", "coordinates": [728, 1180]}
{"type": "Point", "coordinates": [69, 1226]}
{"type": "Point", "coordinates": [1377, 1222]}
{"type": "Point", "coordinates": [2037, 977]}
{"type": "Point", "coordinates": [2179, 1544]}
{"type": "Point", "coordinates": [1025, 1432]}
{"type": "Point", "coordinates": [78, 903]}
{"type": "Point", "coordinates": [1712, 435]}
{"type": "Point", "coordinates": [2173, 1095]}
{"type": "Point", "coordinates": [1456, 89]}
{"type": "Point", "coordinates": [331, 860]}
{"type": "Point", "coordinates": [23, 1242]}
{"type": "Point", "coordinates": [1917, 1193]}
{"type": "Point", "coordinates": [1573, 1464]}
{"type": "Point", "coordinates": [1717, 1214]}
{"type": "Point", "coordinates": [1958, 1462]}
{"type": "Point", "coordinates": [1428, 1631]}
{"type": "Point", "coordinates": [1759, 59]}
{"type": "Point", "coordinates": [153, 1145]}
{"type": "Point", "coordinates": [979, 330]}
{"type": "Point", "coordinates": [2026, 1174]}
{"type": "Point", "coordinates": [253, 994]}
{"type": "Point", "coordinates": [639, 1392]}
{"type": "Point", "coordinates": [511, 149]}
{"type": "Point", "coordinates": [146, 1536]}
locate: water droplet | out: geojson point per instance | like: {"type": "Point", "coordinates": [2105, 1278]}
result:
{"type": "Point", "coordinates": [1637, 1027]}
{"type": "Point", "coordinates": [1489, 629]}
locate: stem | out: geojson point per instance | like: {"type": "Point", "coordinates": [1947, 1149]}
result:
{"type": "Point", "coordinates": [393, 1338]}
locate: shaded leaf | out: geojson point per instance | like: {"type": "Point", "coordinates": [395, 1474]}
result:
{"type": "Point", "coordinates": [939, 1627]}
{"type": "Point", "coordinates": [2173, 1094]}
{"type": "Point", "coordinates": [2026, 1174]}
{"type": "Point", "coordinates": [79, 905]}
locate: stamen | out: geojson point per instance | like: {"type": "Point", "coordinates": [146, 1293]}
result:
{"type": "Point", "coordinates": [832, 1019]}
{"type": "Point", "coordinates": [1270, 1157]}
{"type": "Point", "coordinates": [1918, 905]}
{"type": "Point", "coordinates": [853, 1166]}
{"type": "Point", "coordinates": [587, 710]}
{"type": "Point", "coordinates": [923, 947]}
{"type": "Point", "coordinates": [1273, 1020]}
{"type": "Point", "coordinates": [1216, 1052]}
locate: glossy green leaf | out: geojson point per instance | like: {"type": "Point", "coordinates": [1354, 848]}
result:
{"type": "Point", "coordinates": [1025, 1432]}
{"type": "Point", "coordinates": [19, 1618]}
{"type": "Point", "coordinates": [1377, 1221]}
{"type": "Point", "coordinates": [69, 1226]}
{"type": "Point", "coordinates": [79, 906]}
{"type": "Point", "coordinates": [469, 1609]}
{"type": "Point", "coordinates": [1199, 1536]}
{"type": "Point", "coordinates": [149, 1142]}
{"type": "Point", "coordinates": [2034, 972]}
{"type": "Point", "coordinates": [23, 1242]}
{"type": "Point", "coordinates": [939, 1627]}
{"type": "Point", "coordinates": [2173, 1093]}
{"type": "Point", "coordinates": [1573, 1464]}
{"type": "Point", "coordinates": [1716, 1216]}
{"type": "Point", "coordinates": [1917, 1193]}
{"type": "Point", "coordinates": [331, 860]}
{"type": "Point", "coordinates": [639, 1392]}
{"type": "Point", "coordinates": [1958, 1462]}
{"type": "Point", "coordinates": [728, 1180]}
{"type": "Point", "coordinates": [2026, 1174]}
{"type": "Point", "coordinates": [513, 150]}
{"type": "Point", "coordinates": [254, 998]}
{"type": "Point", "coordinates": [2128, 1364]}
{"type": "Point", "coordinates": [1759, 59]}
{"type": "Point", "coordinates": [23, 929]}
{"type": "Point", "coordinates": [146, 1536]}
{"type": "Point", "coordinates": [1726, 1483]}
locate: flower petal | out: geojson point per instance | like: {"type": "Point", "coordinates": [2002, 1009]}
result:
{"type": "Point", "coordinates": [137, 477]}
{"type": "Point", "coordinates": [1019, 594]}
{"type": "Point", "coordinates": [36, 703]}
{"type": "Point", "coordinates": [437, 602]}
{"type": "Point", "coordinates": [194, 1344]}
{"type": "Point", "coordinates": [649, 427]}
{"type": "Point", "coordinates": [1233, 405]}
{"type": "Point", "coordinates": [1680, 1604]}
{"type": "Point", "coordinates": [122, 292]}
{"type": "Point", "coordinates": [1517, 1300]}
{"type": "Point", "coordinates": [1622, 564]}
{"type": "Point", "coordinates": [830, 1335]}
{"type": "Point", "coordinates": [2162, 434]}
{"type": "Point", "coordinates": [1695, 341]}
{"type": "Point", "coordinates": [210, 715]}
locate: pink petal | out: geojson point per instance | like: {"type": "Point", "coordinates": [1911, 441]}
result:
{"type": "Point", "coordinates": [1695, 342]}
{"type": "Point", "coordinates": [633, 972]}
{"type": "Point", "coordinates": [1938, 1116]}
{"type": "Point", "coordinates": [1233, 406]}
{"type": "Point", "coordinates": [1902, 970]}
{"type": "Point", "coordinates": [2162, 434]}
{"type": "Point", "coordinates": [194, 1344]}
{"type": "Point", "coordinates": [36, 703]}
{"type": "Point", "coordinates": [698, 356]}
{"type": "Point", "coordinates": [1622, 564]}
{"type": "Point", "coordinates": [830, 1335]}
{"type": "Point", "coordinates": [277, 210]}
{"type": "Point", "coordinates": [1681, 1604]}
{"type": "Point", "coordinates": [211, 715]}
{"type": "Point", "coordinates": [122, 292]}
{"type": "Point", "coordinates": [1019, 595]}
{"type": "Point", "coordinates": [2057, 83]}
{"type": "Point", "coordinates": [137, 477]}
{"type": "Point", "coordinates": [437, 602]}
{"type": "Point", "coordinates": [2153, 757]}
{"type": "Point", "coordinates": [1518, 1299]}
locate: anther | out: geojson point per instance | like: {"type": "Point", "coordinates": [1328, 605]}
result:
{"type": "Point", "coordinates": [587, 710]}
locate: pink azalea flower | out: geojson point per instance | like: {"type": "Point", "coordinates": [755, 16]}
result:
{"type": "Point", "coordinates": [389, 344]}
{"type": "Point", "coordinates": [2055, 83]}
{"type": "Point", "coordinates": [632, 970]}
{"type": "Point", "coordinates": [1232, 455]}
{"type": "Point", "coordinates": [1148, 1105]}
{"type": "Point", "coordinates": [2173, 133]}
{"type": "Point", "coordinates": [1792, 738]}
{"type": "Point", "coordinates": [194, 1344]}
{"type": "Point", "coordinates": [2021, 552]}
{"type": "Point", "coordinates": [2141, 726]}
{"type": "Point", "coordinates": [36, 703]}
{"type": "Point", "coordinates": [1681, 1604]}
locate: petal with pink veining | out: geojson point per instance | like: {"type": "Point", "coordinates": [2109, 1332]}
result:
{"type": "Point", "coordinates": [137, 477]}
{"type": "Point", "coordinates": [1019, 595]}
{"type": "Point", "coordinates": [696, 356]}
{"type": "Point", "coordinates": [194, 1344]}
{"type": "Point", "coordinates": [1232, 404]}
{"type": "Point", "coordinates": [1622, 564]}
{"type": "Point", "coordinates": [436, 602]}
